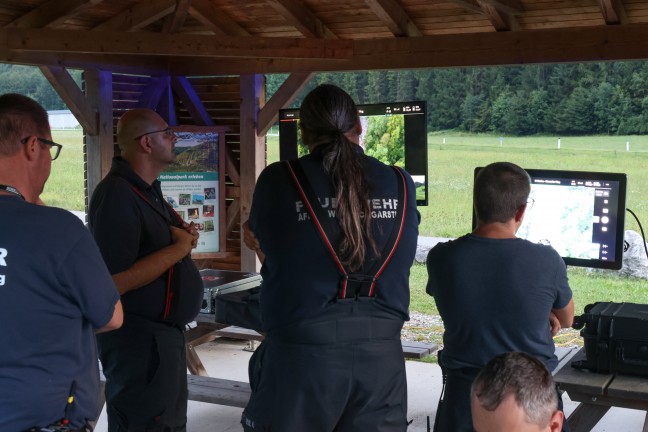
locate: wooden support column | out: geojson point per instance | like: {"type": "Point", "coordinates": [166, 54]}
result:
{"type": "Point", "coordinates": [99, 147]}
{"type": "Point", "coordinates": [252, 154]}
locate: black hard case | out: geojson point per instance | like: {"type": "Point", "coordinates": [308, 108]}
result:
{"type": "Point", "coordinates": [616, 338]}
{"type": "Point", "coordinates": [233, 297]}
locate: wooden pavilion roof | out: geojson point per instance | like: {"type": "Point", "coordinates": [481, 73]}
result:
{"type": "Point", "coordinates": [200, 37]}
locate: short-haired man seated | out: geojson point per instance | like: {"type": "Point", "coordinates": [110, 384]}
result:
{"type": "Point", "coordinates": [515, 392]}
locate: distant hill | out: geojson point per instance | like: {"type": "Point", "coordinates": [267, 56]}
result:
{"type": "Point", "coordinates": [200, 158]}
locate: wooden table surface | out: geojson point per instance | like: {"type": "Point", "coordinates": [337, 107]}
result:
{"type": "Point", "coordinates": [597, 393]}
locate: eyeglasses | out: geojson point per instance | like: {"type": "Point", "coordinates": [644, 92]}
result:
{"type": "Point", "coordinates": [55, 149]}
{"type": "Point", "coordinates": [530, 203]}
{"type": "Point", "coordinates": [168, 132]}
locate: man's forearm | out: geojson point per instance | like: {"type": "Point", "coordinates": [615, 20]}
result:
{"type": "Point", "coordinates": [147, 269]}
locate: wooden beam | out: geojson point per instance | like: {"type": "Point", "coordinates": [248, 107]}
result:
{"type": "Point", "coordinates": [575, 44]}
{"type": "Point", "coordinates": [300, 16]}
{"type": "Point", "coordinates": [52, 13]}
{"type": "Point", "coordinates": [288, 91]}
{"type": "Point", "coordinates": [166, 107]}
{"type": "Point", "coordinates": [613, 12]}
{"type": "Point", "coordinates": [215, 19]}
{"type": "Point", "coordinates": [174, 45]}
{"type": "Point", "coordinates": [99, 147]}
{"type": "Point", "coordinates": [394, 16]}
{"type": "Point", "coordinates": [138, 16]}
{"type": "Point", "coordinates": [153, 91]}
{"type": "Point", "coordinates": [501, 21]}
{"type": "Point", "coordinates": [470, 5]}
{"type": "Point", "coordinates": [175, 20]}
{"type": "Point", "coordinates": [233, 216]}
{"type": "Point", "coordinates": [73, 97]}
{"type": "Point", "coordinates": [252, 155]}
{"type": "Point", "coordinates": [506, 6]}
{"type": "Point", "coordinates": [185, 91]}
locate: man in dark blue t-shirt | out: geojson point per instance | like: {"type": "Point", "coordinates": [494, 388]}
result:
{"type": "Point", "coordinates": [55, 290]}
{"type": "Point", "coordinates": [495, 292]}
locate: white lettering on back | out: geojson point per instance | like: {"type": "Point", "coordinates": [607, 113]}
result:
{"type": "Point", "coordinates": [3, 254]}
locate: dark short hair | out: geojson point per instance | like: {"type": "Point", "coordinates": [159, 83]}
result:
{"type": "Point", "coordinates": [19, 116]}
{"type": "Point", "coordinates": [523, 376]}
{"type": "Point", "coordinates": [500, 189]}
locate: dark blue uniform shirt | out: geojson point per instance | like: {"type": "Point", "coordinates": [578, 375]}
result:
{"type": "Point", "coordinates": [300, 279]}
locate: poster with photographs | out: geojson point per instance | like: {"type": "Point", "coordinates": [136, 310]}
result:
{"type": "Point", "coordinates": [192, 184]}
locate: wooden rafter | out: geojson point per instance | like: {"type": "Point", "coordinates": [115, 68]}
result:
{"type": "Point", "coordinates": [73, 97]}
{"type": "Point", "coordinates": [175, 20]}
{"type": "Point", "coordinates": [136, 17]}
{"type": "Point", "coordinates": [613, 12]}
{"type": "Point", "coordinates": [394, 16]}
{"type": "Point", "coordinates": [215, 20]}
{"type": "Point", "coordinates": [152, 94]}
{"type": "Point", "coordinates": [52, 13]}
{"type": "Point", "coordinates": [506, 6]}
{"type": "Point", "coordinates": [141, 43]}
{"type": "Point", "coordinates": [300, 16]}
{"type": "Point", "coordinates": [283, 97]}
{"type": "Point", "coordinates": [185, 91]}
{"type": "Point", "coordinates": [501, 21]}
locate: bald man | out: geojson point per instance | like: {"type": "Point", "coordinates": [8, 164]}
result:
{"type": "Point", "coordinates": [146, 247]}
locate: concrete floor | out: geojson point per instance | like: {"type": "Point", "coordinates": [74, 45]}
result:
{"type": "Point", "coordinates": [227, 359]}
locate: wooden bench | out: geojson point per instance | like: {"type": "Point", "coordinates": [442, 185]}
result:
{"type": "Point", "coordinates": [411, 350]}
{"type": "Point", "coordinates": [218, 391]}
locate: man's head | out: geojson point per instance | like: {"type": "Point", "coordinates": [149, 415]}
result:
{"type": "Point", "coordinates": [143, 135]}
{"type": "Point", "coordinates": [515, 392]}
{"type": "Point", "coordinates": [501, 190]}
{"type": "Point", "coordinates": [25, 143]}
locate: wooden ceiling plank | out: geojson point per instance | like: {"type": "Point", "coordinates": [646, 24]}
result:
{"type": "Point", "coordinates": [152, 94]}
{"type": "Point", "coordinates": [287, 93]}
{"type": "Point", "coordinates": [395, 17]}
{"type": "Point", "coordinates": [138, 16]}
{"type": "Point", "coordinates": [52, 13]}
{"type": "Point", "coordinates": [613, 12]}
{"type": "Point", "coordinates": [215, 19]}
{"type": "Point", "coordinates": [299, 15]}
{"type": "Point", "coordinates": [506, 6]}
{"type": "Point", "coordinates": [182, 87]}
{"type": "Point", "coordinates": [146, 43]}
{"type": "Point", "coordinates": [73, 96]}
{"type": "Point", "coordinates": [175, 20]}
{"type": "Point", "coordinates": [470, 5]}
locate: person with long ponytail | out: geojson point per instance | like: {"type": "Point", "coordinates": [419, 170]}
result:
{"type": "Point", "coordinates": [336, 231]}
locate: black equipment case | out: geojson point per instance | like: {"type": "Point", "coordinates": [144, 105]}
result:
{"type": "Point", "coordinates": [233, 297]}
{"type": "Point", "coordinates": [616, 338]}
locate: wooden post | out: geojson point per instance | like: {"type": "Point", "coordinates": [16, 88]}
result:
{"type": "Point", "coordinates": [252, 155]}
{"type": "Point", "coordinates": [100, 147]}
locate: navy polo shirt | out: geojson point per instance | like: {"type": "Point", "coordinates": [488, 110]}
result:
{"type": "Point", "coordinates": [127, 228]}
{"type": "Point", "coordinates": [300, 279]}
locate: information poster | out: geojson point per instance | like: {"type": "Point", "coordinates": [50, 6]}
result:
{"type": "Point", "coordinates": [191, 184]}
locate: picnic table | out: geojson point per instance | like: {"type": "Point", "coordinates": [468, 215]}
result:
{"type": "Point", "coordinates": [597, 393]}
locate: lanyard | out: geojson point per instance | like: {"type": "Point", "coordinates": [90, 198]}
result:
{"type": "Point", "coordinates": [12, 190]}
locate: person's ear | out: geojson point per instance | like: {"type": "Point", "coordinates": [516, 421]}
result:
{"type": "Point", "coordinates": [145, 144]}
{"type": "Point", "coordinates": [519, 213]}
{"type": "Point", "coordinates": [31, 148]}
{"type": "Point", "coordinates": [556, 422]}
{"type": "Point", "coordinates": [358, 126]}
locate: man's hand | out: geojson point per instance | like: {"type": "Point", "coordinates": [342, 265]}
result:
{"type": "Point", "coordinates": [183, 239]}
{"type": "Point", "coordinates": [191, 229]}
{"type": "Point", "coordinates": [251, 241]}
{"type": "Point", "coordinates": [554, 323]}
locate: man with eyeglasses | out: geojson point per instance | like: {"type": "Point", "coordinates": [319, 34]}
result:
{"type": "Point", "coordinates": [146, 247]}
{"type": "Point", "coordinates": [495, 292]}
{"type": "Point", "coordinates": [55, 290]}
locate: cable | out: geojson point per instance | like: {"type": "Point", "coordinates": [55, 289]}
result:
{"type": "Point", "coordinates": [643, 236]}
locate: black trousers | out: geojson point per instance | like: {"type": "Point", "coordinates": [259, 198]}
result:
{"type": "Point", "coordinates": [343, 372]}
{"type": "Point", "coordinates": [146, 376]}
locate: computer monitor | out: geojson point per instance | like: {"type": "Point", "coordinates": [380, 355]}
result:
{"type": "Point", "coordinates": [394, 133]}
{"type": "Point", "coordinates": [581, 214]}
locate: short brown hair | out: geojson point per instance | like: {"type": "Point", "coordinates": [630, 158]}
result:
{"type": "Point", "coordinates": [500, 189]}
{"type": "Point", "coordinates": [20, 116]}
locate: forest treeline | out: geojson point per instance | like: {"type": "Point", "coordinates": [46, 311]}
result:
{"type": "Point", "coordinates": [564, 99]}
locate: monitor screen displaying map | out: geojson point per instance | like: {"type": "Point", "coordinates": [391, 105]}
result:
{"type": "Point", "coordinates": [580, 214]}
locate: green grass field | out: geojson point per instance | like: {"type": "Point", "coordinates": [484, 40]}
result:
{"type": "Point", "coordinates": [450, 189]}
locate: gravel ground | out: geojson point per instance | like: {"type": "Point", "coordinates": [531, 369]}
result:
{"type": "Point", "coordinates": [429, 328]}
